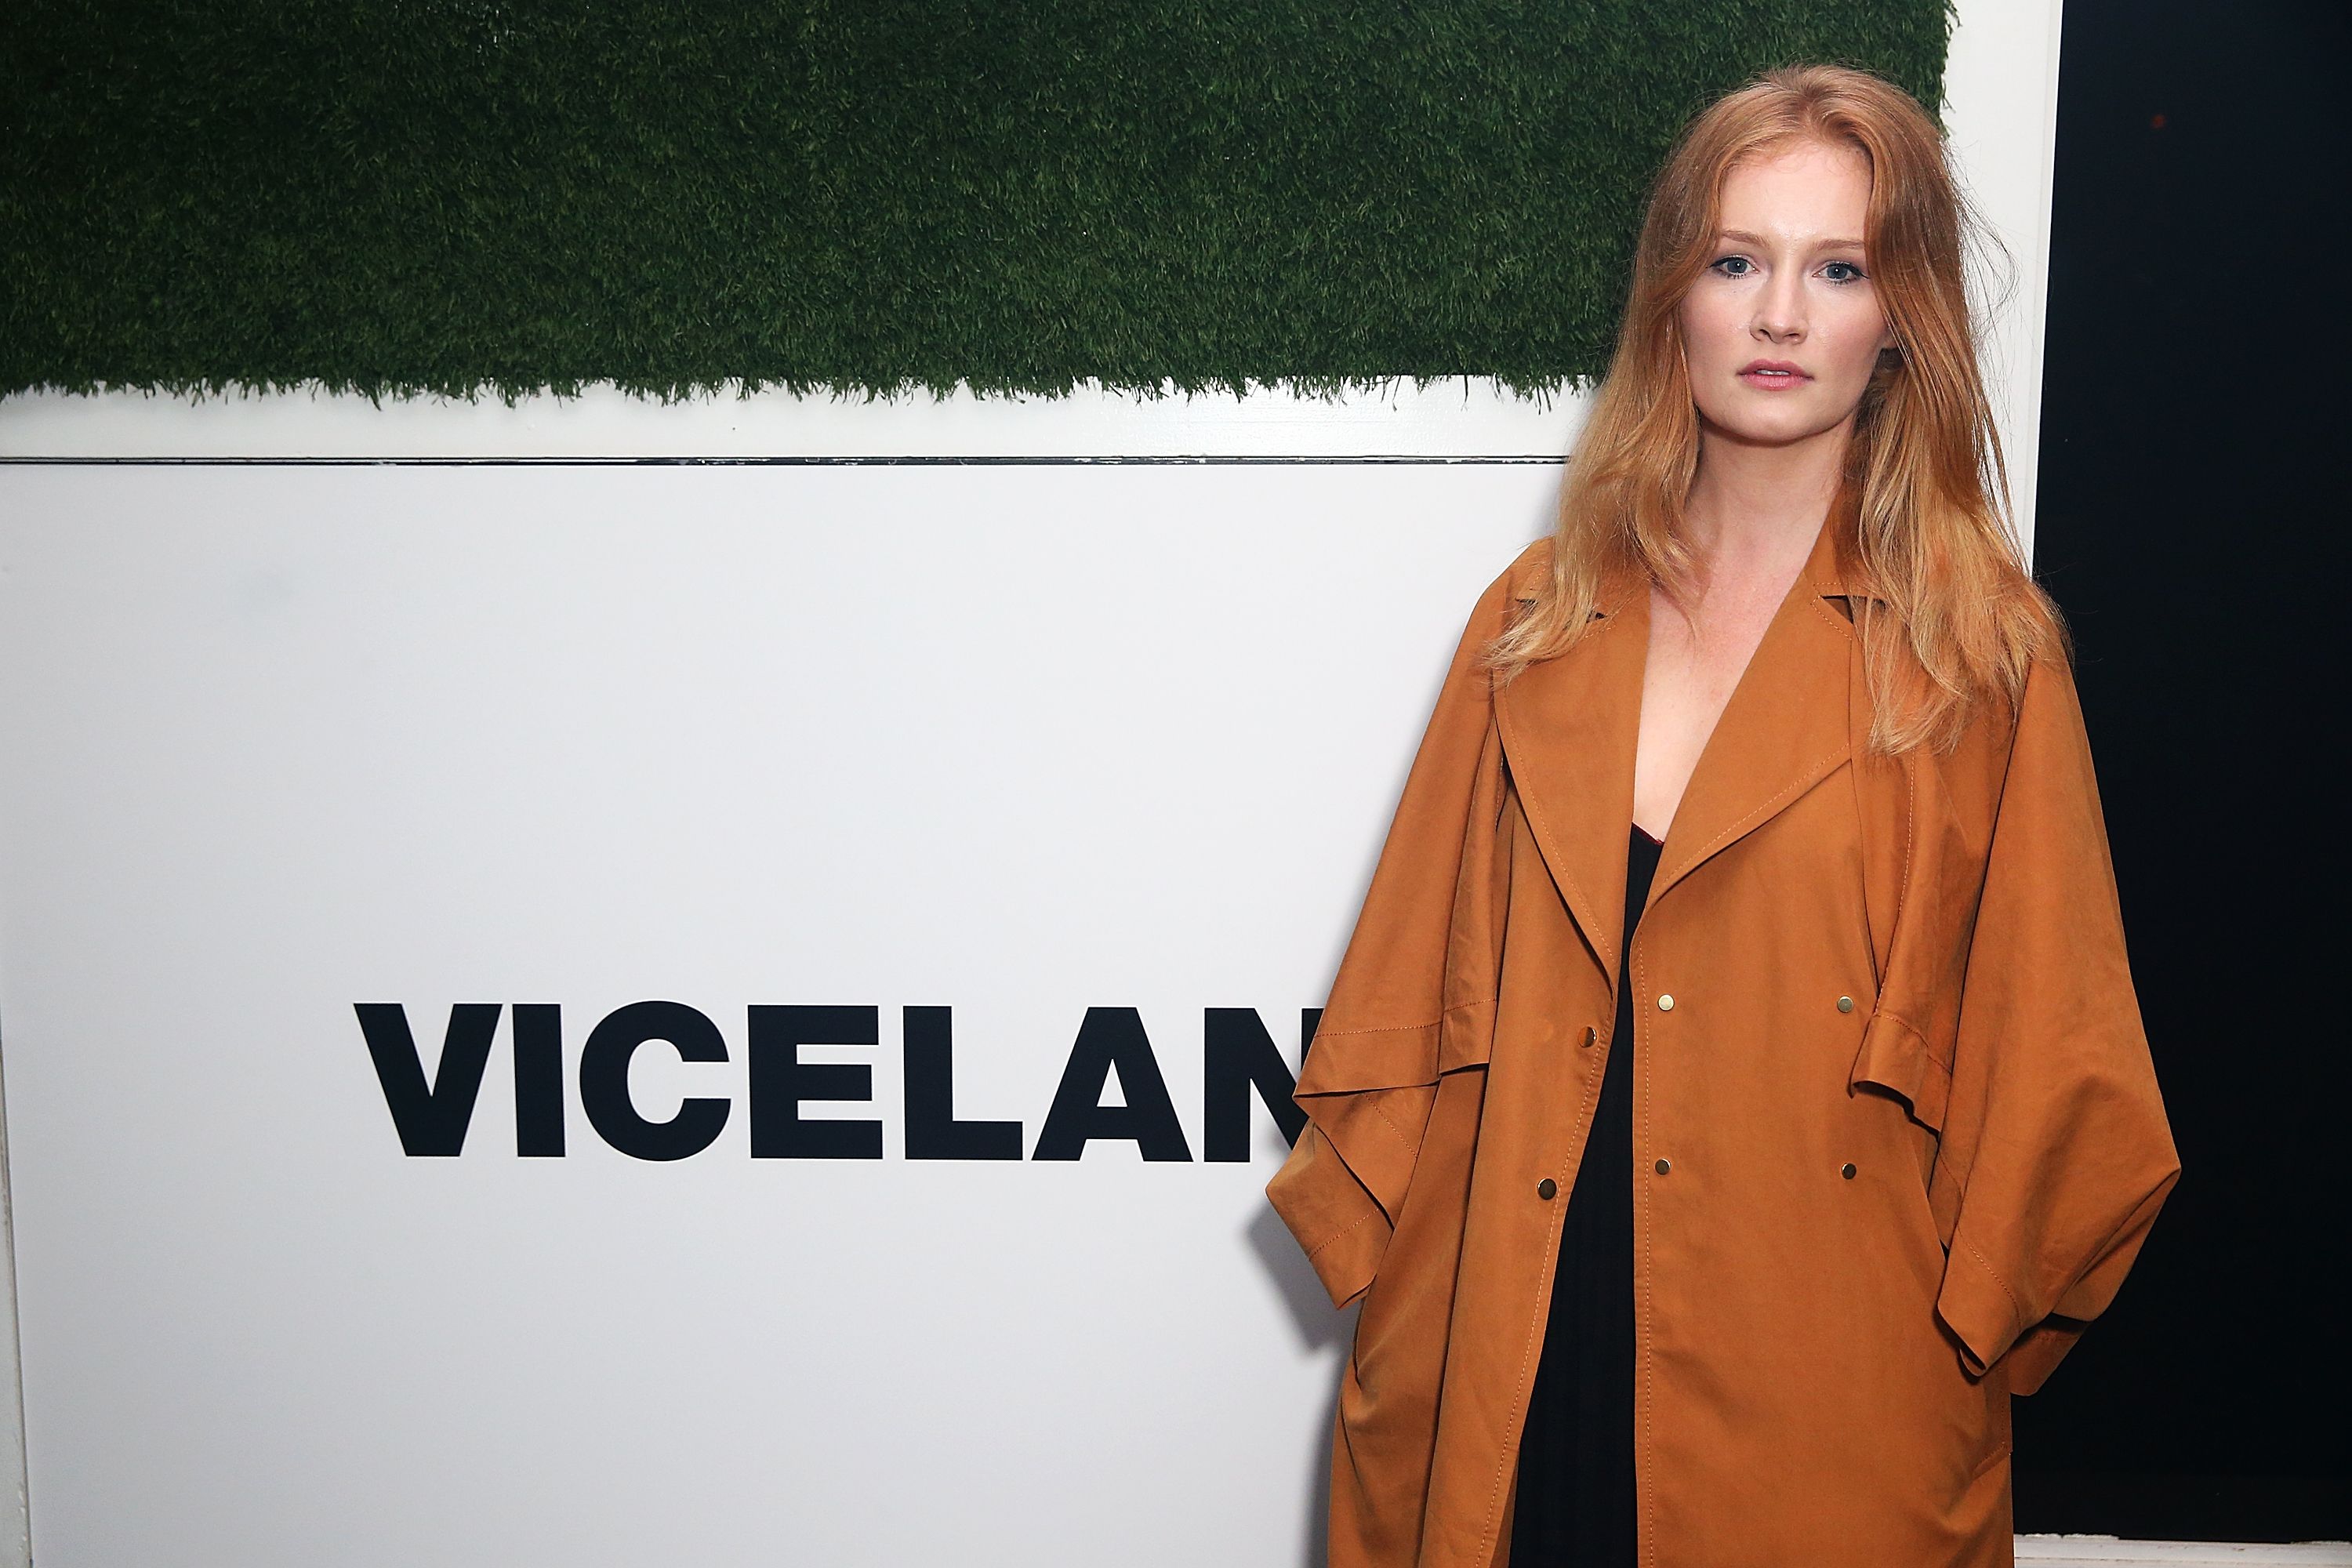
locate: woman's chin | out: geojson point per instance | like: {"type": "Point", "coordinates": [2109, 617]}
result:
{"type": "Point", "coordinates": [1760, 428]}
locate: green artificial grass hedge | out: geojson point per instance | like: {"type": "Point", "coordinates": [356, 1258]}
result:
{"type": "Point", "coordinates": [396, 197]}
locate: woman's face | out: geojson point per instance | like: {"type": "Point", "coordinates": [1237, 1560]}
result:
{"type": "Point", "coordinates": [1783, 328]}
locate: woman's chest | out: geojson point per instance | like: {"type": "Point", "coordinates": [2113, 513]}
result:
{"type": "Point", "coordinates": [1692, 664]}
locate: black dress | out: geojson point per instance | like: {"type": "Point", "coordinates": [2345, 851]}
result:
{"type": "Point", "coordinates": [1575, 1506]}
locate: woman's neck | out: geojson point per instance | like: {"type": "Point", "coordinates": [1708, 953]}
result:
{"type": "Point", "coordinates": [1751, 506]}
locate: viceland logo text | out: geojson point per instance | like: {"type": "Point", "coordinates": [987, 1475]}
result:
{"type": "Point", "coordinates": [1239, 1061]}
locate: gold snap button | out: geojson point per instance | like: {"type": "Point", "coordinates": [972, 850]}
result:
{"type": "Point", "coordinates": [1549, 1189]}
{"type": "Point", "coordinates": [1845, 1004]}
{"type": "Point", "coordinates": [1665, 1004]}
{"type": "Point", "coordinates": [1846, 1170]}
{"type": "Point", "coordinates": [1664, 1167]}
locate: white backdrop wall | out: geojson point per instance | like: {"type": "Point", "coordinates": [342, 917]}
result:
{"type": "Point", "coordinates": [1077, 751]}
{"type": "Point", "coordinates": [1018, 742]}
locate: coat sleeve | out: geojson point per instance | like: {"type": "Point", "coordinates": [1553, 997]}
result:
{"type": "Point", "coordinates": [2056, 1153]}
{"type": "Point", "coordinates": [1370, 1076]}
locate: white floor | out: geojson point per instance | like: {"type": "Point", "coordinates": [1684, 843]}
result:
{"type": "Point", "coordinates": [2114, 1553]}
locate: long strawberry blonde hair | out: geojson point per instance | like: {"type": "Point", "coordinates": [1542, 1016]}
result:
{"type": "Point", "coordinates": [1955, 617]}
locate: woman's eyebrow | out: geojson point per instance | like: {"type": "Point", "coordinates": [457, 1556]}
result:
{"type": "Point", "coordinates": [1744, 237]}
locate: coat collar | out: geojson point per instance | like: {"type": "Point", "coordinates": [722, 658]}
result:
{"type": "Point", "coordinates": [1569, 726]}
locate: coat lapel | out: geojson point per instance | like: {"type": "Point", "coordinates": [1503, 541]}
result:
{"type": "Point", "coordinates": [1569, 725]}
{"type": "Point", "coordinates": [1785, 728]}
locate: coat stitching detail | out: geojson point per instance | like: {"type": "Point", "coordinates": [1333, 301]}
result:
{"type": "Point", "coordinates": [1915, 1032]}
{"type": "Point", "coordinates": [1534, 810]}
{"type": "Point", "coordinates": [1340, 1235]}
{"type": "Point", "coordinates": [1834, 619]}
{"type": "Point", "coordinates": [1323, 1034]}
{"type": "Point", "coordinates": [2016, 1313]}
{"type": "Point", "coordinates": [1806, 778]}
{"type": "Point", "coordinates": [1382, 1112]}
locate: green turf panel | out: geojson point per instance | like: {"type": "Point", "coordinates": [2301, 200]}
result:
{"type": "Point", "coordinates": [396, 196]}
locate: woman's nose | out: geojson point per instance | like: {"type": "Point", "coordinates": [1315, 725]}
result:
{"type": "Point", "coordinates": [1780, 311]}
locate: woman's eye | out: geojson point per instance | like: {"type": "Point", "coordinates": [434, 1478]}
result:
{"type": "Point", "coordinates": [1733, 266]}
{"type": "Point", "coordinates": [1852, 274]}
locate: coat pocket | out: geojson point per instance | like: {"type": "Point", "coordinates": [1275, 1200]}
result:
{"type": "Point", "coordinates": [1896, 1058]}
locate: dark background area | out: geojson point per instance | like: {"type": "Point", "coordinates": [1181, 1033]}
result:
{"type": "Point", "coordinates": [2201, 278]}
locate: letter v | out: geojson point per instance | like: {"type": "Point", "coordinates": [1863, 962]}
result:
{"type": "Point", "coordinates": [430, 1120]}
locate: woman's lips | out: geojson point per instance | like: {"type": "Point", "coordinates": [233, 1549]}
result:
{"type": "Point", "coordinates": [1774, 379]}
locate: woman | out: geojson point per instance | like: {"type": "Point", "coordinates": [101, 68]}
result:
{"type": "Point", "coordinates": [1734, 1090]}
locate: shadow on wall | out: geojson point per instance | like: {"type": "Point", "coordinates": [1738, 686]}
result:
{"type": "Point", "coordinates": [1321, 1330]}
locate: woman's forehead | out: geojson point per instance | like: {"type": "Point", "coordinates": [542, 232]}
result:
{"type": "Point", "coordinates": [1812, 191]}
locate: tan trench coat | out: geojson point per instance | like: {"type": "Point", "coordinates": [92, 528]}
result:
{"type": "Point", "coordinates": [1896, 1135]}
